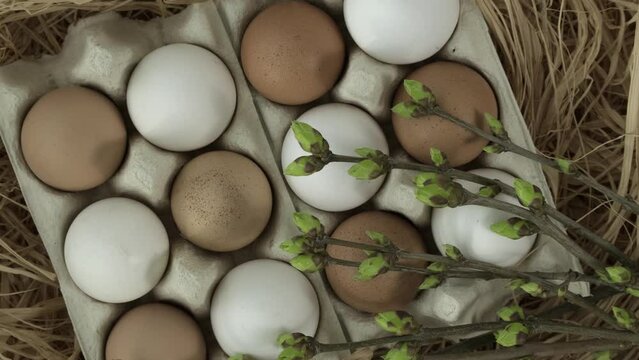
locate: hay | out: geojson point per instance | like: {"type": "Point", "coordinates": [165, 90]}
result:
{"type": "Point", "coordinates": [570, 64]}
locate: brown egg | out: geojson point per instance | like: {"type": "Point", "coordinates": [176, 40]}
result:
{"type": "Point", "coordinates": [460, 91]}
{"type": "Point", "coordinates": [221, 201]}
{"type": "Point", "coordinates": [73, 138]}
{"type": "Point", "coordinates": [389, 291]}
{"type": "Point", "coordinates": [292, 52]}
{"type": "Point", "coordinates": [156, 331]}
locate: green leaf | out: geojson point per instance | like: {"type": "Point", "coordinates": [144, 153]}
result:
{"type": "Point", "coordinates": [632, 291]}
{"type": "Point", "coordinates": [496, 126]}
{"type": "Point", "coordinates": [437, 267]}
{"type": "Point", "coordinates": [489, 191]}
{"type": "Point", "coordinates": [618, 274]}
{"type": "Point", "coordinates": [241, 357]}
{"type": "Point", "coordinates": [427, 178]}
{"type": "Point", "coordinates": [309, 139]}
{"type": "Point", "coordinates": [378, 238]}
{"type": "Point", "coordinates": [396, 322]}
{"type": "Point", "coordinates": [437, 157]}
{"type": "Point", "coordinates": [419, 93]}
{"type": "Point", "coordinates": [370, 153]}
{"type": "Point", "coordinates": [308, 262]}
{"type": "Point", "coordinates": [565, 166]}
{"type": "Point", "coordinates": [493, 149]}
{"type": "Point", "coordinates": [406, 109]}
{"type": "Point", "coordinates": [366, 169]}
{"type": "Point", "coordinates": [371, 267]}
{"type": "Point", "coordinates": [561, 291]}
{"type": "Point", "coordinates": [308, 224]}
{"type": "Point", "coordinates": [304, 165]}
{"type": "Point", "coordinates": [401, 351]}
{"type": "Point", "coordinates": [529, 195]}
{"type": "Point", "coordinates": [514, 228]}
{"type": "Point", "coordinates": [296, 353]}
{"type": "Point", "coordinates": [452, 252]}
{"type": "Point", "coordinates": [516, 284]}
{"type": "Point", "coordinates": [512, 335]}
{"type": "Point", "coordinates": [289, 339]}
{"type": "Point", "coordinates": [602, 355]}
{"type": "Point", "coordinates": [296, 245]}
{"type": "Point", "coordinates": [624, 318]}
{"type": "Point", "coordinates": [430, 282]}
{"type": "Point", "coordinates": [438, 193]}
{"type": "Point", "coordinates": [511, 313]}
{"type": "Point", "coordinates": [533, 289]}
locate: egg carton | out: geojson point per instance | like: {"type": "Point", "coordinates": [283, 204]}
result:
{"type": "Point", "coordinates": [370, 85]}
{"type": "Point", "coordinates": [100, 52]}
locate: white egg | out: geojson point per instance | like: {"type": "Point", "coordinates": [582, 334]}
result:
{"type": "Point", "coordinates": [468, 227]}
{"type": "Point", "coordinates": [181, 97]}
{"type": "Point", "coordinates": [401, 31]}
{"type": "Point", "coordinates": [259, 300]}
{"type": "Point", "coordinates": [346, 128]}
{"type": "Point", "coordinates": [116, 250]}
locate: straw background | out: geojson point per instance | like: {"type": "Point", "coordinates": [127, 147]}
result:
{"type": "Point", "coordinates": [573, 66]}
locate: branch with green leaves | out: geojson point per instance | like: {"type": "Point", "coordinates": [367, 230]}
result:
{"type": "Point", "coordinates": [408, 337]}
{"type": "Point", "coordinates": [438, 189]}
{"type": "Point", "coordinates": [423, 102]}
{"type": "Point", "coordinates": [382, 255]}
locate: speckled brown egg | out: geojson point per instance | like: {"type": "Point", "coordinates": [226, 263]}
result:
{"type": "Point", "coordinates": [73, 138]}
{"type": "Point", "coordinates": [389, 291]}
{"type": "Point", "coordinates": [156, 331]}
{"type": "Point", "coordinates": [292, 52]}
{"type": "Point", "coordinates": [460, 91]}
{"type": "Point", "coordinates": [221, 201]}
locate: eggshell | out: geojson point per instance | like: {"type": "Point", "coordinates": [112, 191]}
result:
{"type": "Point", "coordinates": [156, 331]}
{"type": "Point", "coordinates": [73, 138]}
{"type": "Point", "coordinates": [462, 92]}
{"type": "Point", "coordinates": [468, 227]}
{"type": "Point", "coordinates": [292, 52]}
{"type": "Point", "coordinates": [346, 128]}
{"type": "Point", "coordinates": [116, 250]}
{"type": "Point", "coordinates": [181, 97]}
{"type": "Point", "coordinates": [401, 31]}
{"type": "Point", "coordinates": [221, 201]}
{"type": "Point", "coordinates": [259, 300]}
{"type": "Point", "coordinates": [389, 291]}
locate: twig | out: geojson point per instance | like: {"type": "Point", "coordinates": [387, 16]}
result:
{"type": "Point", "coordinates": [508, 190]}
{"type": "Point", "coordinates": [538, 349]}
{"type": "Point", "coordinates": [579, 175]}
{"type": "Point", "coordinates": [426, 334]}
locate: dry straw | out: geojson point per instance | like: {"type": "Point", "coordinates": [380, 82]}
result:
{"type": "Point", "coordinates": [570, 64]}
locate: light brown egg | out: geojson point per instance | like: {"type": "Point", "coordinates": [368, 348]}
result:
{"type": "Point", "coordinates": [460, 91]}
{"type": "Point", "coordinates": [389, 291]}
{"type": "Point", "coordinates": [156, 331]}
{"type": "Point", "coordinates": [73, 138]}
{"type": "Point", "coordinates": [221, 201]}
{"type": "Point", "coordinates": [292, 52]}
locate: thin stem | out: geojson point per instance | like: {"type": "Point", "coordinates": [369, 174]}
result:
{"type": "Point", "coordinates": [483, 270]}
{"type": "Point", "coordinates": [426, 334]}
{"type": "Point", "coordinates": [508, 190]}
{"type": "Point", "coordinates": [489, 271]}
{"type": "Point", "coordinates": [538, 350]}
{"type": "Point", "coordinates": [544, 225]}
{"type": "Point", "coordinates": [512, 147]}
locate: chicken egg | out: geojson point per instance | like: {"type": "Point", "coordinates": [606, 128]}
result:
{"type": "Point", "coordinates": [258, 301]}
{"type": "Point", "coordinates": [116, 250]}
{"type": "Point", "coordinates": [401, 31]}
{"type": "Point", "coordinates": [156, 331]}
{"type": "Point", "coordinates": [181, 97]}
{"type": "Point", "coordinates": [345, 128]}
{"type": "Point", "coordinates": [468, 227]}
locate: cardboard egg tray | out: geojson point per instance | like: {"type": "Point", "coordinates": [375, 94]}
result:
{"type": "Point", "coordinates": [100, 52]}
